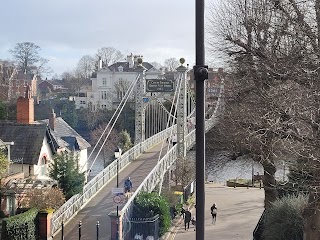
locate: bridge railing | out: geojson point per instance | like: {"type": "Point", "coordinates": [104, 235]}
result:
{"type": "Point", "coordinates": [78, 201]}
{"type": "Point", "coordinates": [148, 184]}
{"type": "Point", "coordinates": [153, 178]}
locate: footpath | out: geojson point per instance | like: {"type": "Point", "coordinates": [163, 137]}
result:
{"type": "Point", "coordinates": [102, 203]}
{"type": "Point", "coordinates": [239, 210]}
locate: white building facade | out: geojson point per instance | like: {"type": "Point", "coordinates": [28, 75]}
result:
{"type": "Point", "coordinates": [109, 84]}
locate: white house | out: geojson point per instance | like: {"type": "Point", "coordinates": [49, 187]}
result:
{"type": "Point", "coordinates": [67, 139]}
{"type": "Point", "coordinates": [109, 84]}
{"type": "Point", "coordinates": [31, 147]}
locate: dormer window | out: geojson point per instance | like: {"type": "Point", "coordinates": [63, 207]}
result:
{"type": "Point", "coordinates": [120, 68]}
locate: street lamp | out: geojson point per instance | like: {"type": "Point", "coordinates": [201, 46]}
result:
{"type": "Point", "coordinates": [200, 75]}
{"type": "Point", "coordinates": [117, 155]}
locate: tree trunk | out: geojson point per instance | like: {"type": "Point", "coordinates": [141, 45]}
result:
{"type": "Point", "coordinates": [269, 183]}
{"type": "Point", "coordinates": [311, 218]}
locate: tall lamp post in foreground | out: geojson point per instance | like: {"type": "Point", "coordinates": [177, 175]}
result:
{"type": "Point", "coordinates": [200, 74]}
{"type": "Point", "coordinates": [117, 155]}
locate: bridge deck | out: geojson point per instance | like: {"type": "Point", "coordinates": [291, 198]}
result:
{"type": "Point", "coordinates": [101, 205]}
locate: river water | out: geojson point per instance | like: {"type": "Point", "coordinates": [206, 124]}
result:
{"type": "Point", "coordinates": [219, 167]}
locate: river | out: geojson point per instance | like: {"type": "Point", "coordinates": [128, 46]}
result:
{"type": "Point", "coordinates": [219, 167]}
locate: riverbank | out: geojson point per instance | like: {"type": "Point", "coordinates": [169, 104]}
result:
{"type": "Point", "coordinates": [239, 210]}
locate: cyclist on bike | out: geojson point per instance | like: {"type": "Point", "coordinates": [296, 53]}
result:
{"type": "Point", "coordinates": [127, 185]}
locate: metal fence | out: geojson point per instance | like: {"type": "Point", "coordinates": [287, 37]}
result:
{"type": "Point", "coordinates": [258, 231]}
{"type": "Point", "coordinates": [144, 228]}
{"type": "Point", "coordinates": [153, 178]}
{"type": "Point", "coordinates": [78, 201]}
{"type": "Point", "coordinates": [66, 212]}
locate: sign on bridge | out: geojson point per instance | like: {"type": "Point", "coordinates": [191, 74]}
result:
{"type": "Point", "coordinates": [159, 85]}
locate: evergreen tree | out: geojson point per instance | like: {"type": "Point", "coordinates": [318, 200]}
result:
{"type": "Point", "coordinates": [125, 140]}
{"type": "Point", "coordinates": [65, 170]}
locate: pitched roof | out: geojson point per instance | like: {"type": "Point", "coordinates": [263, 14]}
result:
{"type": "Point", "coordinates": [115, 67]}
{"type": "Point", "coordinates": [66, 136]}
{"type": "Point", "coordinates": [27, 138]}
{"type": "Point", "coordinates": [24, 76]}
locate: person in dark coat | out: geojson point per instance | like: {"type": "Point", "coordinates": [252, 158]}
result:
{"type": "Point", "coordinates": [187, 219]}
{"type": "Point", "coordinates": [214, 213]}
{"type": "Point", "coordinates": [182, 212]}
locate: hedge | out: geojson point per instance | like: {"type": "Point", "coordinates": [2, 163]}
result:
{"type": "Point", "coordinates": [21, 226]}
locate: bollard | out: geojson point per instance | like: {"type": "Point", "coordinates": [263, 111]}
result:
{"type": "Point", "coordinates": [80, 223]}
{"type": "Point", "coordinates": [97, 230]}
{"type": "Point", "coordinates": [260, 184]}
{"type": "Point", "coordinates": [62, 228]}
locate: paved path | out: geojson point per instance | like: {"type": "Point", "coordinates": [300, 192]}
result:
{"type": "Point", "coordinates": [102, 204]}
{"type": "Point", "coordinates": [239, 210]}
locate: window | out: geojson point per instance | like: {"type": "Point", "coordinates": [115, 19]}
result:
{"type": "Point", "coordinates": [104, 81]}
{"type": "Point", "coordinates": [17, 83]}
{"type": "Point", "coordinates": [25, 83]}
{"type": "Point", "coordinates": [120, 68]}
{"type": "Point", "coordinates": [103, 94]}
{"type": "Point", "coordinates": [82, 102]}
{"type": "Point", "coordinates": [43, 166]}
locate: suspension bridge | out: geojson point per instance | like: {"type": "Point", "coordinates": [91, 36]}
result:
{"type": "Point", "coordinates": [92, 212]}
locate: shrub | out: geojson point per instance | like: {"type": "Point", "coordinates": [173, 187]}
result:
{"type": "Point", "coordinates": [21, 227]}
{"type": "Point", "coordinates": [283, 220]}
{"type": "Point", "coordinates": [2, 214]}
{"type": "Point", "coordinates": [44, 198]}
{"type": "Point", "coordinates": [148, 205]}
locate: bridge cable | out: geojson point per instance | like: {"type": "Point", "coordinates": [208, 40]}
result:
{"type": "Point", "coordinates": [176, 101]}
{"type": "Point", "coordinates": [122, 102]}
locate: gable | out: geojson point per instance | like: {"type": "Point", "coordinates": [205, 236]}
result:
{"type": "Point", "coordinates": [65, 136]}
{"type": "Point", "coordinates": [28, 141]}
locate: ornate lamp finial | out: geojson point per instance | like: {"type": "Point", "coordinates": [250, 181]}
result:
{"type": "Point", "coordinates": [139, 60]}
{"type": "Point", "coordinates": [182, 61]}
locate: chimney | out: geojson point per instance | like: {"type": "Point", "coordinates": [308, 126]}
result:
{"type": "Point", "coordinates": [25, 108]}
{"type": "Point", "coordinates": [130, 60]}
{"type": "Point", "coordinates": [52, 120]}
{"type": "Point", "coordinates": [100, 63]}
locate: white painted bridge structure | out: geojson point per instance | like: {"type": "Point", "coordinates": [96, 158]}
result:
{"type": "Point", "coordinates": [176, 123]}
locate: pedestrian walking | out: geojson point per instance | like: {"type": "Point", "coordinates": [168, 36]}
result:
{"type": "Point", "coordinates": [194, 223]}
{"type": "Point", "coordinates": [214, 213]}
{"type": "Point", "coordinates": [183, 212]}
{"type": "Point", "coordinates": [174, 139]}
{"type": "Point", "coordinates": [187, 219]}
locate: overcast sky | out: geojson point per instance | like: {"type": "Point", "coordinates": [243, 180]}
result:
{"type": "Point", "coordinates": [68, 29]}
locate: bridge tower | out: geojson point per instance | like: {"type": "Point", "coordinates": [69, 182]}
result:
{"type": "Point", "coordinates": [182, 111]}
{"type": "Point", "coordinates": [139, 109]}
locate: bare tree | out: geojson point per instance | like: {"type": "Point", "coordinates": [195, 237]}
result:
{"type": "Point", "coordinates": [42, 67]}
{"type": "Point", "coordinates": [26, 55]}
{"type": "Point", "coordinates": [273, 47]}
{"type": "Point", "coordinates": [85, 66]}
{"type": "Point", "coordinates": [43, 198]}
{"type": "Point", "coordinates": [171, 64]}
{"type": "Point", "coordinates": [110, 144]}
{"type": "Point", "coordinates": [157, 65]}
{"type": "Point", "coordinates": [121, 87]}
{"type": "Point", "coordinates": [109, 55]}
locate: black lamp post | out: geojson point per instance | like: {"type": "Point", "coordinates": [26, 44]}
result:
{"type": "Point", "coordinates": [117, 155]}
{"type": "Point", "coordinates": [200, 74]}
